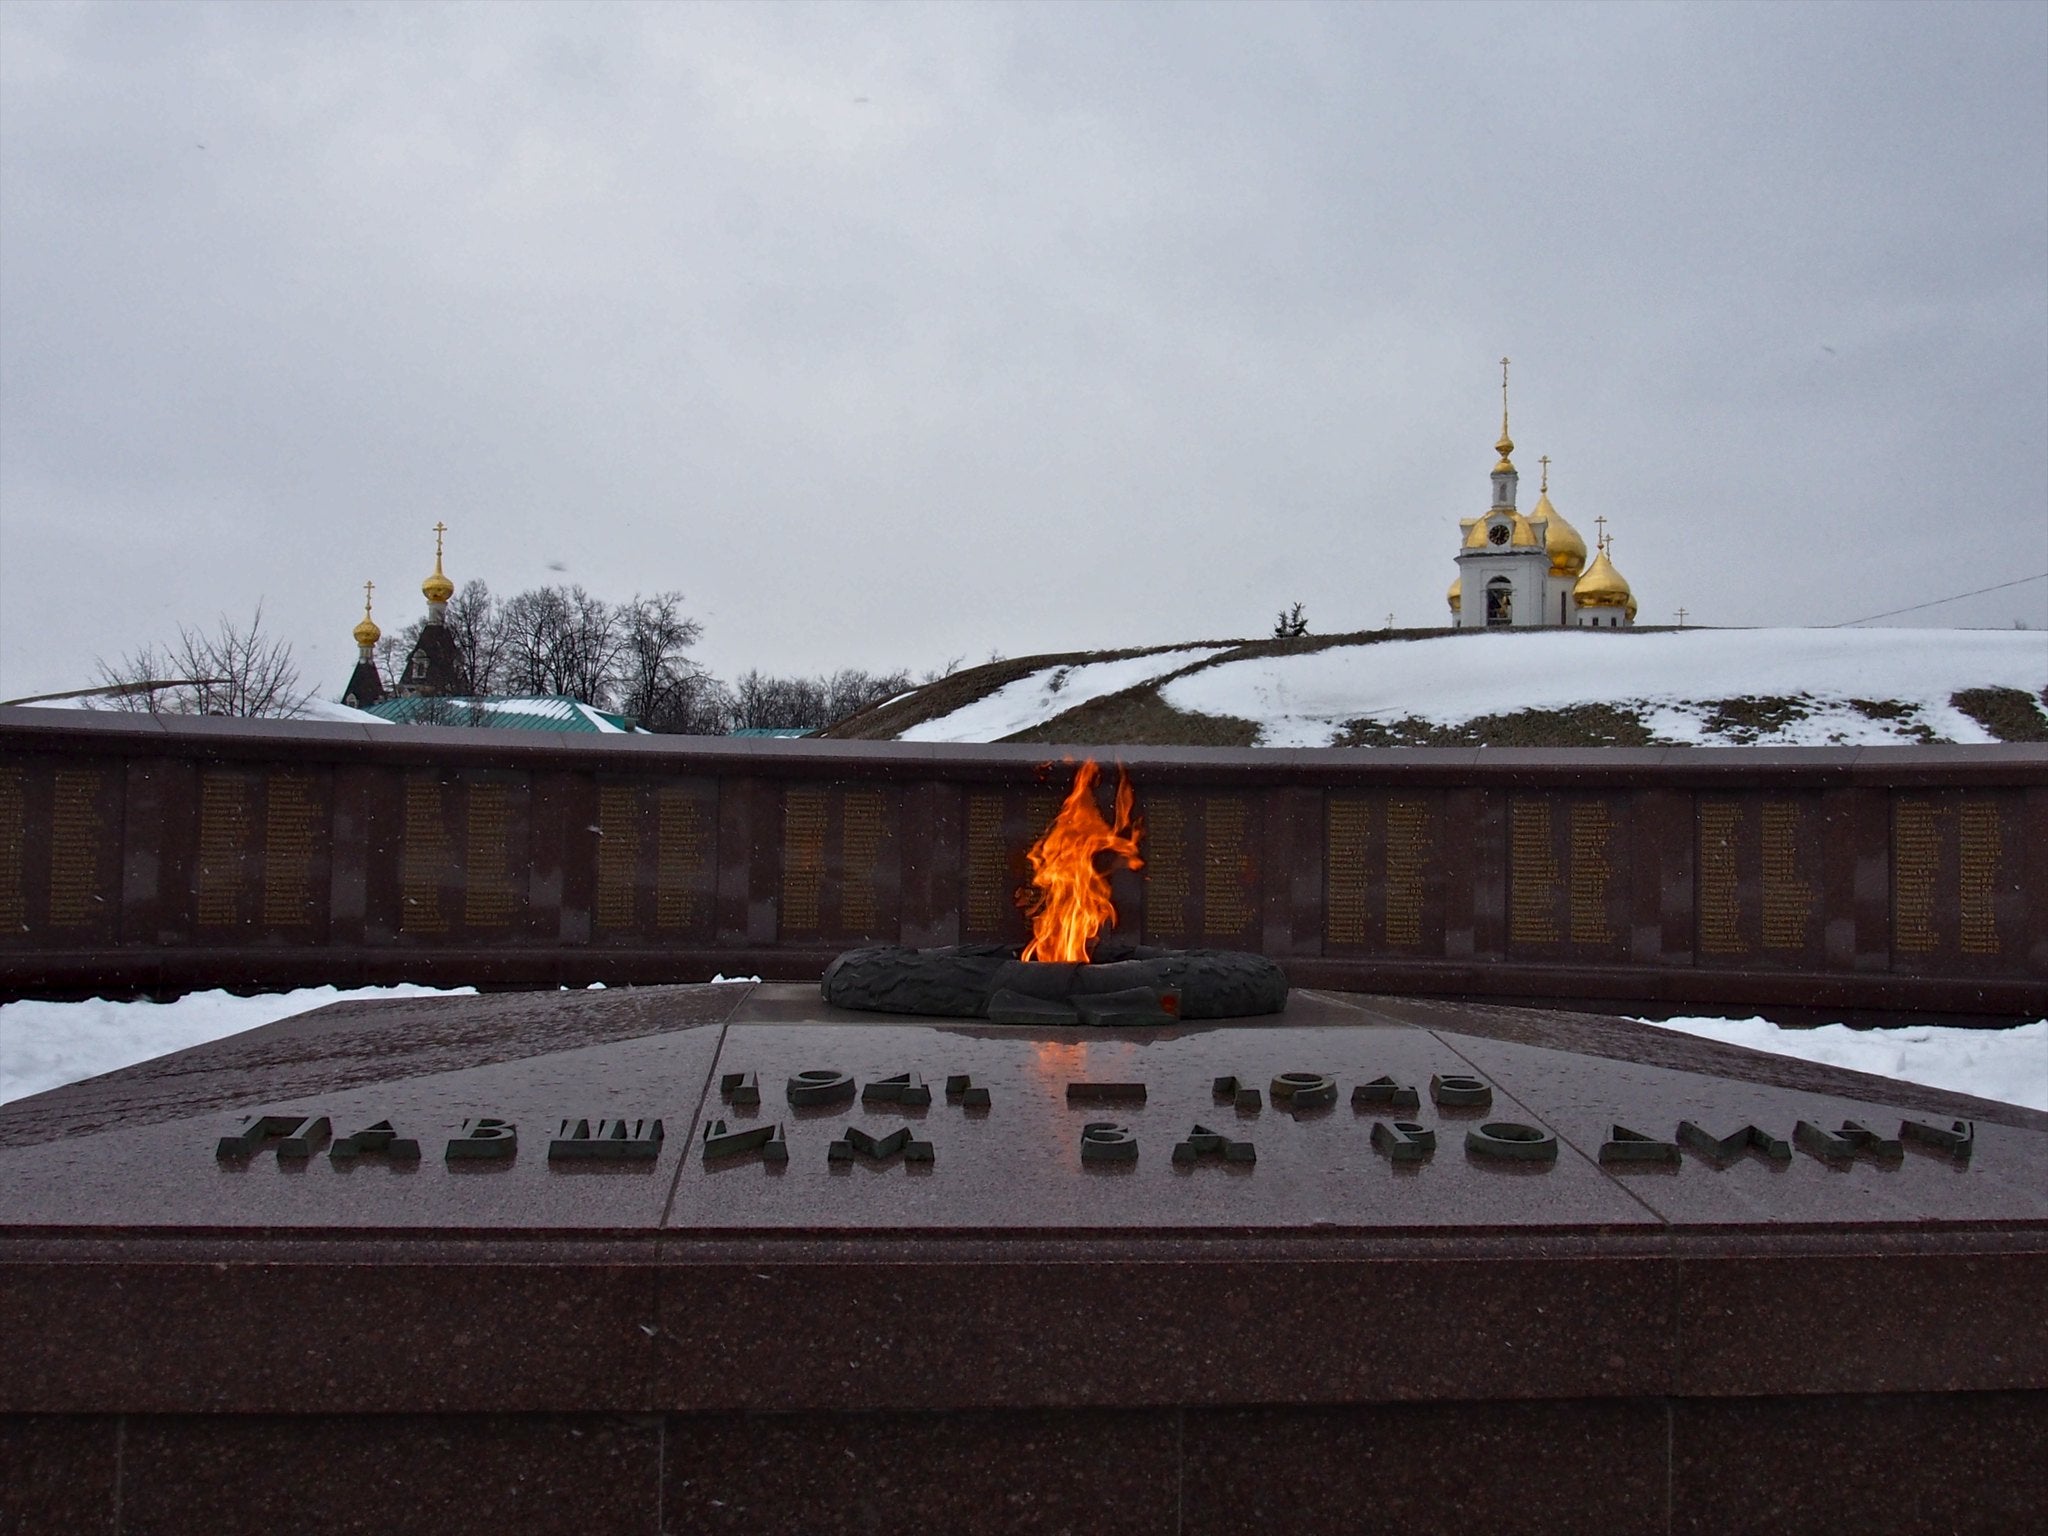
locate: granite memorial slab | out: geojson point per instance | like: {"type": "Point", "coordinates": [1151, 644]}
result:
{"type": "Point", "coordinates": [730, 1258]}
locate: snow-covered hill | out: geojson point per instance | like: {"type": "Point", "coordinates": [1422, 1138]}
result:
{"type": "Point", "coordinates": [1703, 687]}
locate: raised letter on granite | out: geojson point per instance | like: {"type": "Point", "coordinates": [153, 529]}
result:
{"type": "Point", "coordinates": [1459, 1090]}
{"type": "Point", "coordinates": [1105, 1093]}
{"type": "Point", "coordinates": [1957, 1141]}
{"type": "Point", "coordinates": [854, 1142]}
{"type": "Point", "coordinates": [485, 1139]}
{"type": "Point", "coordinates": [1104, 1141]}
{"type": "Point", "coordinates": [1238, 1092]}
{"type": "Point", "coordinates": [1303, 1090]}
{"type": "Point", "coordinates": [1385, 1093]}
{"type": "Point", "coordinates": [906, 1088]}
{"type": "Point", "coordinates": [1403, 1141]}
{"type": "Point", "coordinates": [821, 1085]}
{"type": "Point", "coordinates": [1722, 1150]}
{"type": "Point", "coordinates": [960, 1090]}
{"type": "Point", "coordinates": [1203, 1142]}
{"type": "Point", "coordinates": [765, 1139]}
{"type": "Point", "coordinates": [606, 1140]}
{"type": "Point", "coordinates": [741, 1089]}
{"type": "Point", "coordinates": [297, 1136]}
{"type": "Point", "coordinates": [1853, 1140]}
{"type": "Point", "coordinates": [1626, 1146]}
{"type": "Point", "coordinates": [1511, 1141]}
{"type": "Point", "coordinates": [381, 1139]}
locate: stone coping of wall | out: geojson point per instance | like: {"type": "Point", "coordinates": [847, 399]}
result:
{"type": "Point", "coordinates": [101, 731]}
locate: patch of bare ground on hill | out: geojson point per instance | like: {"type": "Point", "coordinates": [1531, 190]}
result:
{"type": "Point", "coordinates": [2009, 714]}
{"type": "Point", "coordinates": [1138, 717]}
{"type": "Point", "coordinates": [933, 701]}
{"type": "Point", "coordinates": [1585, 725]}
{"type": "Point", "coordinates": [891, 718]}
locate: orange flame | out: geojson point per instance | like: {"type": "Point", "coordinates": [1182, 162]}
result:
{"type": "Point", "coordinates": [1069, 904]}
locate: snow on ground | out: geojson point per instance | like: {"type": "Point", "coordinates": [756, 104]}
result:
{"type": "Point", "coordinates": [43, 1045]}
{"type": "Point", "coordinates": [1050, 691]}
{"type": "Point", "coordinates": [1303, 700]}
{"type": "Point", "coordinates": [2008, 1064]}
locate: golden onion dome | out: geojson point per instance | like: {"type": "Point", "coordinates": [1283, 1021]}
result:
{"type": "Point", "coordinates": [1567, 549]}
{"type": "Point", "coordinates": [1456, 596]}
{"type": "Point", "coordinates": [437, 587]}
{"type": "Point", "coordinates": [1475, 532]}
{"type": "Point", "coordinates": [1524, 535]}
{"type": "Point", "coordinates": [1602, 586]}
{"type": "Point", "coordinates": [367, 633]}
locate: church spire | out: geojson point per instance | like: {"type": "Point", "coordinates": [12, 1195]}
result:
{"type": "Point", "coordinates": [1504, 477]}
{"type": "Point", "coordinates": [1506, 445]}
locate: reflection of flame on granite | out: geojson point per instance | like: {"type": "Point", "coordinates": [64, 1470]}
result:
{"type": "Point", "coordinates": [1069, 903]}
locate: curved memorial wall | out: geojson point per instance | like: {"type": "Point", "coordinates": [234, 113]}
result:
{"type": "Point", "coordinates": [159, 854]}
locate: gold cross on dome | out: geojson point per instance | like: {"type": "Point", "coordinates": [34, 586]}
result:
{"type": "Point", "coordinates": [368, 588]}
{"type": "Point", "coordinates": [1545, 462]}
{"type": "Point", "coordinates": [1600, 538]}
{"type": "Point", "coordinates": [439, 529]}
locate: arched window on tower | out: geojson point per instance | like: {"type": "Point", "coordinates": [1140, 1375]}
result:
{"type": "Point", "coordinates": [1500, 602]}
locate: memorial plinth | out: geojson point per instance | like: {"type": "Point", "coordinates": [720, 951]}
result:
{"type": "Point", "coordinates": [1369, 1262]}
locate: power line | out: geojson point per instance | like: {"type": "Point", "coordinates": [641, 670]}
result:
{"type": "Point", "coordinates": [2043, 576]}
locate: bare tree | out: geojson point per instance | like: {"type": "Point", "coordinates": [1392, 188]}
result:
{"type": "Point", "coordinates": [660, 687]}
{"type": "Point", "coordinates": [479, 632]}
{"type": "Point", "coordinates": [561, 640]}
{"type": "Point", "coordinates": [232, 671]}
{"type": "Point", "coordinates": [761, 702]}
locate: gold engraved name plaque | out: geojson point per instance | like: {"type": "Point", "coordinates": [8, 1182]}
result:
{"type": "Point", "coordinates": [79, 842]}
{"type": "Point", "coordinates": [219, 884]}
{"type": "Point", "coordinates": [618, 855]}
{"type": "Point", "coordinates": [293, 820]}
{"type": "Point", "coordinates": [425, 857]}
{"type": "Point", "coordinates": [490, 894]}
{"type": "Point", "coordinates": [13, 834]}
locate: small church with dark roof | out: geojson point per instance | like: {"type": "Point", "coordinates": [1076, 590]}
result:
{"type": "Point", "coordinates": [433, 689]}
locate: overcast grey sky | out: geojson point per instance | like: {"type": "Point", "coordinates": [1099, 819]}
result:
{"type": "Point", "coordinates": [895, 333]}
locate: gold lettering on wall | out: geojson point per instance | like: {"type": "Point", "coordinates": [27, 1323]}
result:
{"type": "Point", "coordinates": [1532, 874]}
{"type": "Point", "coordinates": [618, 854]}
{"type": "Point", "coordinates": [1165, 851]}
{"type": "Point", "coordinates": [489, 896]}
{"type": "Point", "coordinates": [988, 867]}
{"type": "Point", "coordinates": [1408, 849]}
{"type": "Point", "coordinates": [291, 824]}
{"type": "Point", "coordinates": [1350, 825]}
{"type": "Point", "coordinates": [1591, 829]}
{"type": "Point", "coordinates": [860, 849]}
{"type": "Point", "coordinates": [680, 856]}
{"type": "Point", "coordinates": [424, 860]}
{"type": "Point", "coordinates": [1226, 903]}
{"type": "Point", "coordinates": [13, 833]}
{"type": "Point", "coordinates": [1720, 931]}
{"type": "Point", "coordinates": [803, 857]}
{"type": "Point", "coordinates": [77, 840]}
{"type": "Point", "coordinates": [1981, 852]}
{"type": "Point", "coordinates": [1788, 895]}
{"type": "Point", "coordinates": [223, 840]}
{"type": "Point", "coordinates": [1916, 857]}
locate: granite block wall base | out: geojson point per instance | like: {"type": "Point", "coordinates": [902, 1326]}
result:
{"type": "Point", "coordinates": [1812, 1314]}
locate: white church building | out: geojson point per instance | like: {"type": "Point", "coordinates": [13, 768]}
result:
{"type": "Point", "coordinates": [1525, 572]}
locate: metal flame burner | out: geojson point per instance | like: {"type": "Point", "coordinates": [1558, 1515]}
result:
{"type": "Point", "coordinates": [1126, 985]}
